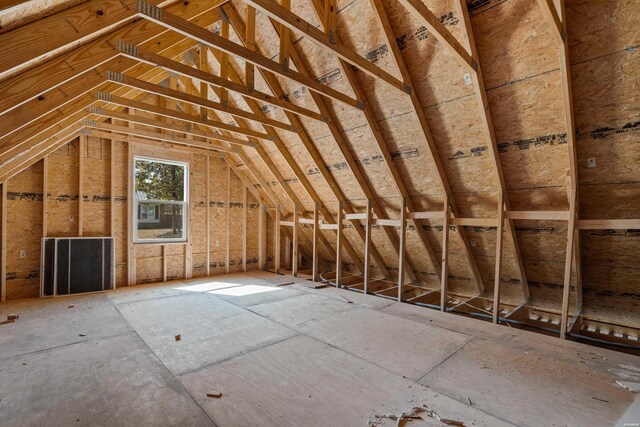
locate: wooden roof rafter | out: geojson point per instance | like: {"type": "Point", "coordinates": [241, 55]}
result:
{"type": "Point", "coordinates": [311, 149]}
{"type": "Point", "coordinates": [324, 15]}
{"type": "Point", "coordinates": [326, 41]}
{"type": "Point", "coordinates": [34, 83]}
{"type": "Point", "coordinates": [245, 159]}
{"type": "Point", "coordinates": [150, 58]}
{"type": "Point", "coordinates": [554, 13]}
{"type": "Point", "coordinates": [216, 41]}
{"type": "Point", "coordinates": [418, 111]}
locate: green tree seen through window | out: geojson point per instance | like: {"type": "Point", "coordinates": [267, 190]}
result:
{"type": "Point", "coordinates": [160, 181]}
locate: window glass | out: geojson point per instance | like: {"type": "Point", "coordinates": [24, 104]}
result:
{"type": "Point", "coordinates": [160, 200]}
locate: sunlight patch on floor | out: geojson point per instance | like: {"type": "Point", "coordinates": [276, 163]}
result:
{"type": "Point", "coordinates": [240, 291]}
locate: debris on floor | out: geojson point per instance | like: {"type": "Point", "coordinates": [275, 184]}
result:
{"type": "Point", "coordinates": [71, 306]}
{"type": "Point", "coordinates": [82, 334]}
{"type": "Point", "coordinates": [414, 414]}
{"type": "Point", "coordinates": [178, 337]}
{"type": "Point", "coordinates": [632, 387]}
{"type": "Point", "coordinates": [214, 394]}
{"type": "Point", "coordinates": [12, 317]}
{"type": "Point", "coordinates": [344, 299]}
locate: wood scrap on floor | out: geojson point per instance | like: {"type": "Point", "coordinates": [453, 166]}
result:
{"type": "Point", "coordinates": [214, 394]}
{"type": "Point", "coordinates": [178, 337]}
{"type": "Point", "coordinates": [414, 414]}
{"type": "Point", "coordinates": [632, 387]}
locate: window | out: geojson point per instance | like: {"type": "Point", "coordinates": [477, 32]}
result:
{"type": "Point", "coordinates": [160, 201]}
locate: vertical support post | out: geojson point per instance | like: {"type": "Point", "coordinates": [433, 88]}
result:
{"type": "Point", "coordinates": [445, 254]}
{"type": "Point", "coordinates": [228, 221]}
{"type": "Point", "coordinates": [204, 87]}
{"type": "Point", "coordinates": [81, 150]}
{"type": "Point", "coordinates": [294, 255]}
{"type": "Point", "coordinates": [164, 263]}
{"type": "Point", "coordinates": [45, 195]}
{"type": "Point", "coordinates": [330, 20]}
{"type": "Point", "coordinates": [285, 39]}
{"type": "Point", "coordinates": [499, 242]}
{"type": "Point", "coordinates": [287, 253]}
{"type": "Point", "coordinates": [244, 228]}
{"type": "Point", "coordinates": [339, 247]}
{"type": "Point", "coordinates": [131, 262]}
{"type": "Point", "coordinates": [367, 247]}
{"type": "Point", "coordinates": [402, 247]}
{"type": "Point", "coordinates": [112, 191]}
{"type": "Point", "coordinates": [249, 69]}
{"type": "Point", "coordinates": [571, 228]}
{"type": "Point", "coordinates": [316, 232]}
{"type": "Point", "coordinates": [224, 58]}
{"type": "Point", "coordinates": [262, 238]}
{"type": "Point", "coordinates": [208, 222]}
{"type": "Point", "coordinates": [3, 249]}
{"type": "Point", "coordinates": [276, 242]}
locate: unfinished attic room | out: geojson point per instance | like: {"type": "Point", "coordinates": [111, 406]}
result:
{"type": "Point", "coordinates": [320, 213]}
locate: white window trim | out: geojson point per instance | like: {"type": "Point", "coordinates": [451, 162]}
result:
{"type": "Point", "coordinates": [185, 203]}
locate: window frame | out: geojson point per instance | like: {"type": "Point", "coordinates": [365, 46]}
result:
{"type": "Point", "coordinates": [184, 204]}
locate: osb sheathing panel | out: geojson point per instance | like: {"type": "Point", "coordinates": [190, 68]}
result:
{"type": "Point", "coordinates": [96, 175]}
{"type": "Point", "coordinates": [198, 211]}
{"type": "Point", "coordinates": [62, 191]}
{"type": "Point", "coordinates": [24, 233]}
{"type": "Point", "coordinates": [605, 64]}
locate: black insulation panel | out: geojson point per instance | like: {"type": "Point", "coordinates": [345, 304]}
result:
{"type": "Point", "coordinates": [76, 265]}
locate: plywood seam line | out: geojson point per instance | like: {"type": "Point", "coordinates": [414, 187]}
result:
{"type": "Point", "coordinates": [416, 107]}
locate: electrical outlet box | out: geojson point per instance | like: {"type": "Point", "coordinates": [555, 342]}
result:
{"type": "Point", "coordinates": [591, 162]}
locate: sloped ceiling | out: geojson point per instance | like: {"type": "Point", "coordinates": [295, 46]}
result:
{"type": "Point", "coordinates": [422, 146]}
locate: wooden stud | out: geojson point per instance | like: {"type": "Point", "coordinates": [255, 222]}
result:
{"type": "Point", "coordinates": [131, 261]}
{"type": "Point", "coordinates": [251, 45]}
{"type": "Point", "coordinates": [498, 271]}
{"type": "Point", "coordinates": [367, 247]}
{"type": "Point", "coordinates": [224, 59]}
{"type": "Point", "coordinates": [276, 242]}
{"type": "Point", "coordinates": [227, 220]}
{"type": "Point", "coordinates": [3, 248]}
{"type": "Point", "coordinates": [445, 255]}
{"type": "Point", "coordinates": [164, 263]}
{"type": "Point", "coordinates": [45, 196]}
{"type": "Point", "coordinates": [112, 190]}
{"type": "Point", "coordinates": [294, 255]}
{"type": "Point", "coordinates": [316, 232]}
{"type": "Point", "coordinates": [285, 39]}
{"type": "Point", "coordinates": [403, 244]}
{"type": "Point", "coordinates": [330, 11]}
{"type": "Point", "coordinates": [244, 228]}
{"type": "Point", "coordinates": [262, 237]}
{"type": "Point", "coordinates": [339, 237]}
{"type": "Point", "coordinates": [81, 153]}
{"type": "Point", "coordinates": [564, 319]}
{"type": "Point", "coordinates": [208, 222]}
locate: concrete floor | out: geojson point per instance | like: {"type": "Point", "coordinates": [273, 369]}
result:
{"type": "Point", "coordinates": [290, 356]}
